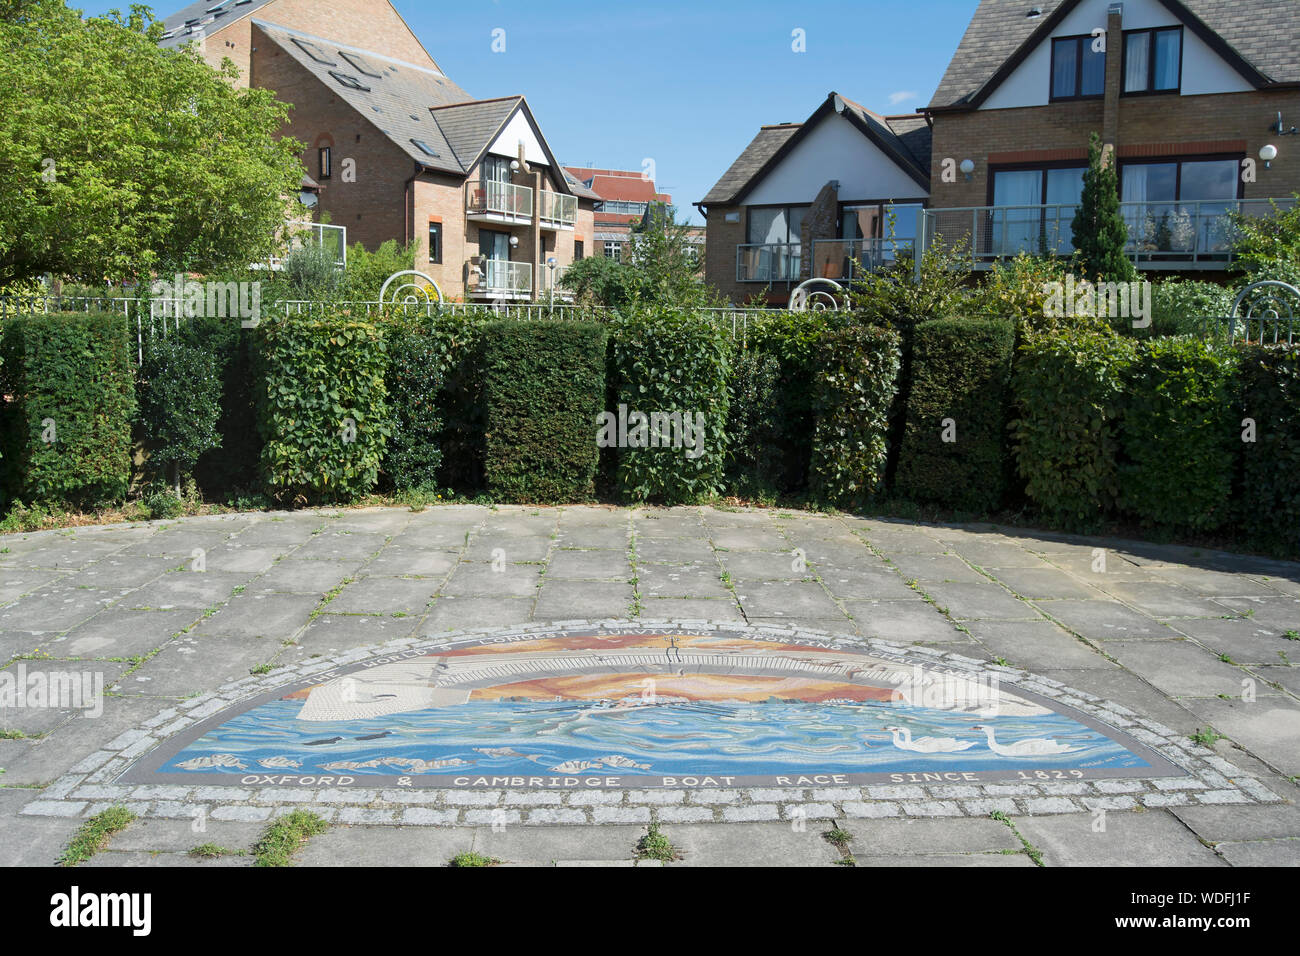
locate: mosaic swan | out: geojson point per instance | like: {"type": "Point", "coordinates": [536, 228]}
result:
{"type": "Point", "coordinates": [1034, 747]}
{"type": "Point", "coordinates": [927, 745]}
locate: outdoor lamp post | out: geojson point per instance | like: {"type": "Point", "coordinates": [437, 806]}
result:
{"type": "Point", "coordinates": [550, 296]}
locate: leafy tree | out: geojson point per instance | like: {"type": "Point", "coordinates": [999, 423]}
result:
{"type": "Point", "coordinates": [1268, 247]}
{"type": "Point", "coordinates": [367, 271]}
{"type": "Point", "coordinates": [661, 268]}
{"type": "Point", "coordinates": [1100, 233]}
{"type": "Point", "coordinates": [119, 157]}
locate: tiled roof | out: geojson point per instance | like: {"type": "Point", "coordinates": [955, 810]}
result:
{"type": "Point", "coordinates": [762, 148]}
{"type": "Point", "coordinates": [905, 139]}
{"type": "Point", "coordinates": [1262, 32]}
{"type": "Point", "coordinates": [397, 102]}
{"type": "Point", "coordinates": [471, 127]}
{"type": "Point", "coordinates": [208, 16]}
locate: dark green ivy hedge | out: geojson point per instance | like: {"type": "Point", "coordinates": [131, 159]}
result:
{"type": "Point", "coordinates": [954, 449]}
{"type": "Point", "coordinates": [70, 398]}
{"type": "Point", "coordinates": [1269, 436]}
{"type": "Point", "coordinates": [543, 389]}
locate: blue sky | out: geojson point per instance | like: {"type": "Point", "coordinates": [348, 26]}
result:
{"type": "Point", "coordinates": [686, 83]}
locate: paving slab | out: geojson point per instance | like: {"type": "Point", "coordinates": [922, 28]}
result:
{"type": "Point", "coordinates": [1242, 823]}
{"type": "Point", "coordinates": [451, 613]}
{"type": "Point", "coordinates": [1154, 838]}
{"type": "Point", "coordinates": [1179, 668]}
{"type": "Point", "coordinates": [867, 585]}
{"type": "Point", "coordinates": [1263, 853]}
{"type": "Point", "coordinates": [934, 568]}
{"type": "Point", "coordinates": [1268, 728]}
{"type": "Point", "coordinates": [298, 576]}
{"type": "Point", "coordinates": [980, 602]}
{"type": "Point", "coordinates": [593, 565]}
{"type": "Point", "coordinates": [1241, 638]}
{"type": "Point", "coordinates": [907, 622]}
{"type": "Point", "coordinates": [1106, 620]}
{"type": "Point", "coordinates": [500, 579]}
{"type": "Point", "coordinates": [570, 600]}
{"type": "Point", "coordinates": [702, 580]}
{"type": "Point", "coordinates": [119, 632]}
{"type": "Point", "coordinates": [260, 615]}
{"type": "Point", "coordinates": [1036, 645]}
{"type": "Point", "coordinates": [187, 588]}
{"type": "Point", "coordinates": [1043, 582]}
{"type": "Point", "coordinates": [1163, 600]}
{"type": "Point", "coordinates": [752, 844]}
{"type": "Point", "coordinates": [806, 599]}
{"type": "Point", "coordinates": [394, 597]}
{"type": "Point", "coordinates": [674, 551]}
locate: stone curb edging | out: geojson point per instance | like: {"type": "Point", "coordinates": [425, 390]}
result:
{"type": "Point", "coordinates": [89, 787]}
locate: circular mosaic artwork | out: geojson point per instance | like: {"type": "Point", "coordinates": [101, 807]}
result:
{"type": "Point", "coordinates": [665, 706]}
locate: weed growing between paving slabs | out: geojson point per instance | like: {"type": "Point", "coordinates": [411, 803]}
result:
{"type": "Point", "coordinates": [1032, 851]}
{"type": "Point", "coordinates": [654, 845]}
{"type": "Point", "coordinates": [94, 835]}
{"type": "Point", "coordinates": [840, 838]}
{"type": "Point", "coordinates": [287, 836]}
{"type": "Point", "coordinates": [470, 858]}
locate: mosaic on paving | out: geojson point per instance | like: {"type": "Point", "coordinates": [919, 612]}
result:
{"type": "Point", "coordinates": [620, 722]}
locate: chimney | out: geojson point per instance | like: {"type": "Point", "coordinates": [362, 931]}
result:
{"type": "Point", "coordinates": [1114, 80]}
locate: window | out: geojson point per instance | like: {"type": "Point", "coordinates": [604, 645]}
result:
{"type": "Point", "coordinates": [614, 250]}
{"type": "Point", "coordinates": [1041, 218]}
{"type": "Point", "coordinates": [1178, 206]}
{"type": "Point", "coordinates": [775, 225]}
{"type": "Point", "coordinates": [1078, 72]}
{"type": "Point", "coordinates": [435, 242]}
{"type": "Point", "coordinates": [1153, 60]}
{"type": "Point", "coordinates": [351, 82]}
{"type": "Point", "coordinates": [325, 167]}
{"type": "Point", "coordinates": [577, 249]}
{"type": "Point", "coordinates": [360, 65]}
{"type": "Point", "coordinates": [621, 207]}
{"type": "Point", "coordinates": [425, 148]}
{"type": "Point", "coordinates": [541, 249]}
{"type": "Point", "coordinates": [312, 50]}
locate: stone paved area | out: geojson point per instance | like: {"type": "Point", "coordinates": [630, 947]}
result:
{"type": "Point", "coordinates": [169, 612]}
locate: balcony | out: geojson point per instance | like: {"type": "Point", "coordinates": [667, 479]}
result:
{"type": "Point", "coordinates": [500, 279]}
{"type": "Point", "coordinates": [845, 259]}
{"type": "Point", "coordinates": [557, 211]}
{"type": "Point", "coordinates": [487, 200]}
{"type": "Point", "coordinates": [768, 262]}
{"type": "Point", "coordinates": [551, 284]}
{"type": "Point", "coordinates": [1162, 235]}
{"type": "Point", "coordinates": [333, 239]}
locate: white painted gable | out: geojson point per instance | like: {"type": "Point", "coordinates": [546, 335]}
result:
{"type": "Point", "coordinates": [836, 149]}
{"type": "Point", "coordinates": [516, 131]}
{"type": "Point", "coordinates": [1204, 71]}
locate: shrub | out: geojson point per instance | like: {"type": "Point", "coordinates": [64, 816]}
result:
{"type": "Point", "coordinates": [233, 465]}
{"type": "Point", "coordinates": [367, 271]}
{"type": "Point", "coordinates": [1069, 389]}
{"type": "Point", "coordinates": [417, 367]}
{"type": "Point", "coordinates": [852, 390]}
{"type": "Point", "coordinates": [180, 402]}
{"type": "Point", "coordinates": [544, 386]}
{"type": "Point", "coordinates": [1270, 493]}
{"type": "Point", "coordinates": [1099, 231]}
{"type": "Point", "coordinates": [780, 440]}
{"type": "Point", "coordinates": [668, 361]}
{"type": "Point", "coordinates": [70, 401]}
{"type": "Point", "coordinates": [1178, 410]}
{"type": "Point", "coordinates": [1181, 306]}
{"type": "Point", "coordinates": [753, 423]}
{"type": "Point", "coordinates": [961, 370]}
{"type": "Point", "coordinates": [460, 401]}
{"type": "Point", "coordinates": [322, 408]}
{"type": "Point", "coordinates": [309, 272]}
{"type": "Point", "coordinates": [1268, 247]}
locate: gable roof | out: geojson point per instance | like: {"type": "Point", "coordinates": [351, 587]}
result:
{"type": "Point", "coordinates": [396, 102]}
{"type": "Point", "coordinates": [904, 139]}
{"type": "Point", "coordinates": [1248, 34]}
{"type": "Point", "coordinates": [213, 15]}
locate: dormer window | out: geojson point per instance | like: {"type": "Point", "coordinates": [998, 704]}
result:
{"type": "Point", "coordinates": [1153, 60]}
{"type": "Point", "coordinates": [1078, 71]}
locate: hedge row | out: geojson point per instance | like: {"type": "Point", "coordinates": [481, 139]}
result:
{"type": "Point", "coordinates": [544, 386]}
{"type": "Point", "coordinates": [70, 400]}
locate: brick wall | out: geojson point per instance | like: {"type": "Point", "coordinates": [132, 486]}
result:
{"type": "Point", "coordinates": [721, 239]}
{"type": "Point", "coordinates": [1147, 126]}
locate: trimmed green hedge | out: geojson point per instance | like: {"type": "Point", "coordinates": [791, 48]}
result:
{"type": "Point", "coordinates": [417, 368]}
{"type": "Point", "coordinates": [180, 402]}
{"type": "Point", "coordinates": [322, 407]}
{"type": "Point", "coordinates": [1069, 394]}
{"type": "Point", "coordinates": [753, 467]}
{"type": "Point", "coordinates": [961, 371]}
{"type": "Point", "coordinates": [544, 387]}
{"type": "Point", "coordinates": [1269, 498]}
{"type": "Point", "coordinates": [670, 362]}
{"type": "Point", "coordinates": [233, 465]}
{"type": "Point", "coordinates": [1178, 434]}
{"type": "Point", "coordinates": [852, 390]}
{"type": "Point", "coordinates": [70, 402]}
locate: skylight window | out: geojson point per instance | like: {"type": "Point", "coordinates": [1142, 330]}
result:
{"type": "Point", "coordinates": [216, 8]}
{"type": "Point", "coordinates": [351, 82]}
{"type": "Point", "coordinates": [425, 148]}
{"type": "Point", "coordinates": [362, 67]}
{"type": "Point", "coordinates": [313, 51]}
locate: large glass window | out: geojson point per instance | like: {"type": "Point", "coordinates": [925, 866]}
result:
{"type": "Point", "coordinates": [1178, 206]}
{"type": "Point", "coordinates": [1078, 71]}
{"type": "Point", "coordinates": [775, 224]}
{"type": "Point", "coordinates": [1040, 210]}
{"type": "Point", "coordinates": [1153, 60]}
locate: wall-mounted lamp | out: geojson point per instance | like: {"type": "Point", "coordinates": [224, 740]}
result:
{"type": "Point", "coordinates": [967, 168]}
{"type": "Point", "coordinates": [1268, 154]}
{"type": "Point", "coordinates": [1280, 127]}
{"type": "Point", "coordinates": [514, 241]}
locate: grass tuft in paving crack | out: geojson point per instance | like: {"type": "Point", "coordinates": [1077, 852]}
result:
{"type": "Point", "coordinates": [94, 834]}
{"type": "Point", "coordinates": [286, 836]}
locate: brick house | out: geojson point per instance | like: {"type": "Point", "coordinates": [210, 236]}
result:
{"type": "Point", "coordinates": [625, 195]}
{"type": "Point", "coordinates": [399, 150]}
{"type": "Point", "coordinates": [839, 191]}
{"type": "Point", "coordinates": [1195, 99]}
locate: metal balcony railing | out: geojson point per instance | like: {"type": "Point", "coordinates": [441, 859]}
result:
{"type": "Point", "coordinates": [493, 200]}
{"type": "Point", "coordinates": [844, 259]}
{"type": "Point", "coordinates": [769, 262]}
{"type": "Point", "coordinates": [500, 277]}
{"type": "Point", "coordinates": [556, 210]}
{"type": "Point", "coordinates": [1161, 235]}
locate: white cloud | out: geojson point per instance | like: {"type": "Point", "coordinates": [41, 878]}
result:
{"type": "Point", "coordinates": [902, 96]}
